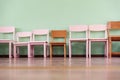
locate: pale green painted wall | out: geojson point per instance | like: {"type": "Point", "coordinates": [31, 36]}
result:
{"type": "Point", "coordinates": [27, 15]}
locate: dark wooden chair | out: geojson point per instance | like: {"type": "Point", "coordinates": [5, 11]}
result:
{"type": "Point", "coordinates": [58, 34]}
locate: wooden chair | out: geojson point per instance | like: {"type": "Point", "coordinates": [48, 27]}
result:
{"type": "Point", "coordinates": [74, 29]}
{"type": "Point", "coordinates": [7, 30]}
{"type": "Point", "coordinates": [44, 43]}
{"type": "Point", "coordinates": [58, 34]}
{"type": "Point", "coordinates": [113, 25]}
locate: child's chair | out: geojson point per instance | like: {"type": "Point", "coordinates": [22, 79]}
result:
{"type": "Point", "coordinates": [58, 34]}
{"type": "Point", "coordinates": [44, 42]}
{"type": "Point", "coordinates": [98, 28]}
{"type": "Point", "coordinates": [78, 29]}
{"type": "Point", "coordinates": [9, 31]}
{"type": "Point", "coordinates": [19, 42]}
{"type": "Point", "coordinates": [113, 25]}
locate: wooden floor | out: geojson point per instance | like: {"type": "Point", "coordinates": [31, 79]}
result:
{"type": "Point", "coordinates": [76, 68]}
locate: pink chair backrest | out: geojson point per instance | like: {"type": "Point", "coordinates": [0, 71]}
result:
{"type": "Point", "coordinates": [24, 34]}
{"type": "Point", "coordinates": [98, 28]}
{"type": "Point", "coordinates": [78, 28]}
{"type": "Point", "coordinates": [41, 32]}
{"type": "Point", "coordinates": [8, 29]}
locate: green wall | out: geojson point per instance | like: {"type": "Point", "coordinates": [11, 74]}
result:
{"type": "Point", "coordinates": [27, 15]}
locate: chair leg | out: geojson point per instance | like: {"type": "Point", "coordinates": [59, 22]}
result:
{"type": "Point", "coordinates": [44, 50]}
{"type": "Point", "coordinates": [70, 51]}
{"type": "Point", "coordinates": [10, 50]}
{"type": "Point", "coordinates": [106, 49]}
{"type": "Point", "coordinates": [110, 50]}
{"type": "Point", "coordinates": [110, 47]}
{"type": "Point", "coordinates": [47, 50]}
{"type": "Point", "coordinates": [15, 51]}
{"type": "Point", "coordinates": [87, 48]}
{"type": "Point", "coordinates": [90, 49]}
{"type": "Point", "coordinates": [32, 50]}
{"type": "Point", "coordinates": [18, 51]}
{"type": "Point", "coordinates": [50, 51]}
{"type": "Point", "coordinates": [64, 50]}
{"type": "Point", "coordinates": [29, 51]}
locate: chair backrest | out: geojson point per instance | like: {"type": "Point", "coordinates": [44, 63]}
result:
{"type": "Point", "coordinates": [59, 34]}
{"type": "Point", "coordinates": [114, 25]}
{"type": "Point", "coordinates": [78, 28]}
{"type": "Point", "coordinates": [8, 29]}
{"type": "Point", "coordinates": [98, 28]}
{"type": "Point", "coordinates": [24, 35]}
{"type": "Point", "coordinates": [41, 32]}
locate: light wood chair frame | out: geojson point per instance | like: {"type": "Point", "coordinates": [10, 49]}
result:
{"type": "Point", "coordinates": [113, 25]}
{"type": "Point", "coordinates": [58, 34]}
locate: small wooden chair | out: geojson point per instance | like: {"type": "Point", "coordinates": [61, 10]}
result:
{"type": "Point", "coordinates": [113, 25]}
{"type": "Point", "coordinates": [58, 34]}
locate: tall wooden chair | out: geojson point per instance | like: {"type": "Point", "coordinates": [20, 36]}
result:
{"type": "Point", "coordinates": [58, 34]}
{"type": "Point", "coordinates": [113, 25]}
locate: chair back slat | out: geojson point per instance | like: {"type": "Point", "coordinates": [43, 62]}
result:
{"type": "Point", "coordinates": [41, 32]}
{"type": "Point", "coordinates": [58, 33]}
{"type": "Point", "coordinates": [114, 25]}
{"type": "Point", "coordinates": [24, 34]}
{"type": "Point", "coordinates": [8, 29]}
{"type": "Point", "coordinates": [97, 27]}
{"type": "Point", "coordinates": [78, 28]}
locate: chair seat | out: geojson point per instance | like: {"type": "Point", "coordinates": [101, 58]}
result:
{"type": "Point", "coordinates": [37, 42]}
{"type": "Point", "coordinates": [57, 43]}
{"type": "Point", "coordinates": [79, 39]}
{"type": "Point", "coordinates": [5, 41]}
{"type": "Point", "coordinates": [21, 43]}
{"type": "Point", "coordinates": [98, 39]}
{"type": "Point", "coordinates": [115, 38]}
